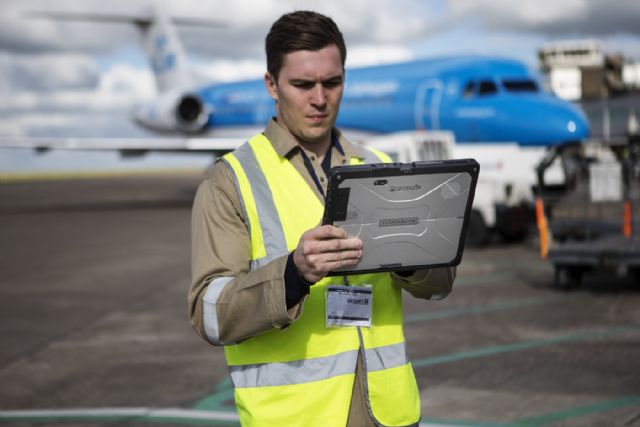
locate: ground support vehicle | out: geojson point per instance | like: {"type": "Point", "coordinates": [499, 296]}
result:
{"type": "Point", "coordinates": [595, 228]}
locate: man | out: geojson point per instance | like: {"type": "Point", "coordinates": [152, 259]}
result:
{"type": "Point", "coordinates": [260, 258]}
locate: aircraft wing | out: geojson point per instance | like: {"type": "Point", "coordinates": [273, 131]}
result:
{"type": "Point", "coordinates": [128, 146]}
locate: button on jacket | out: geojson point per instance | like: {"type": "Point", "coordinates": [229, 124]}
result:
{"type": "Point", "coordinates": [275, 354]}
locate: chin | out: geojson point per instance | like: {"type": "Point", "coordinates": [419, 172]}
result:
{"type": "Point", "coordinates": [316, 136]}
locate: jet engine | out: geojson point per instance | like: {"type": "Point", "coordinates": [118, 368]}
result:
{"type": "Point", "coordinates": [171, 112]}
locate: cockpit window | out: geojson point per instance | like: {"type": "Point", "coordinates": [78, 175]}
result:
{"type": "Point", "coordinates": [520, 85]}
{"type": "Point", "coordinates": [487, 87]}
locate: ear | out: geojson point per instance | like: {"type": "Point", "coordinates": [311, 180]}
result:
{"type": "Point", "coordinates": [271, 85]}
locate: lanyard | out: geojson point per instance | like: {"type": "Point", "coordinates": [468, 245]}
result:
{"type": "Point", "coordinates": [326, 162]}
{"type": "Point", "coordinates": [326, 167]}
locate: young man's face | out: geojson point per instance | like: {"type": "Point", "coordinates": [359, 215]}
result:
{"type": "Point", "coordinates": [308, 93]}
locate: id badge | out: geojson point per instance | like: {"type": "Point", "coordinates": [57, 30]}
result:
{"type": "Point", "coordinates": [349, 306]}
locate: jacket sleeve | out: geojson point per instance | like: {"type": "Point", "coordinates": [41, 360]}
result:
{"type": "Point", "coordinates": [433, 283]}
{"type": "Point", "coordinates": [227, 301]}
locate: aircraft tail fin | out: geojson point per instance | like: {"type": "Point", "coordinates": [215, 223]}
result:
{"type": "Point", "coordinates": [163, 47]}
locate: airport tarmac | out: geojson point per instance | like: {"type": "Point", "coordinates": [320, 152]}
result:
{"type": "Point", "coordinates": [94, 326]}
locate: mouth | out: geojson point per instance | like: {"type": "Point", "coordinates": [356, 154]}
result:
{"type": "Point", "coordinates": [317, 118]}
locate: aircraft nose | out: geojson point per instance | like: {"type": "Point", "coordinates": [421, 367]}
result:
{"type": "Point", "coordinates": [577, 125]}
{"type": "Point", "coordinates": [565, 123]}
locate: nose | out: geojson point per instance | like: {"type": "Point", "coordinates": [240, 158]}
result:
{"type": "Point", "coordinates": [318, 96]}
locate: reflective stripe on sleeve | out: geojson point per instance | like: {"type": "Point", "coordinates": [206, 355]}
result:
{"type": "Point", "coordinates": [296, 372]}
{"type": "Point", "coordinates": [209, 311]}
{"type": "Point", "coordinates": [389, 356]}
{"type": "Point", "coordinates": [261, 262]}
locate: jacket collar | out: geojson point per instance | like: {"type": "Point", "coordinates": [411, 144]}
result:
{"type": "Point", "coordinates": [285, 144]}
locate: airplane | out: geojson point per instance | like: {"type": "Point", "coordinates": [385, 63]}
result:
{"type": "Point", "coordinates": [479, 99]}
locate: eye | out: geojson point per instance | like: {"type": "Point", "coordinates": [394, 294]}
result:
{"type": "Point", "coordinates": [330, 84]}
{"type": "Point", "coordinates": [303, 85]}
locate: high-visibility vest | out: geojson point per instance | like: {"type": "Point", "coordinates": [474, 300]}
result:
{"type": "Point", "coordinates": [303, 375]}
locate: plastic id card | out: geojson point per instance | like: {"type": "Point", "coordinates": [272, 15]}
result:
{"type": "Point", "coordinates": [349, 306]}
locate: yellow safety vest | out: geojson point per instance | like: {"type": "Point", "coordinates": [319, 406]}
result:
{"type": "Point", "coordinates": [304, 375]}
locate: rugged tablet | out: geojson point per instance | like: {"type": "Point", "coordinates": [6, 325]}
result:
{"type": "Point", "coordinates": [408, 215]}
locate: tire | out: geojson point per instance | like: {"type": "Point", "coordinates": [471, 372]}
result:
{"type": "Point", "coordinates": [478, 234]}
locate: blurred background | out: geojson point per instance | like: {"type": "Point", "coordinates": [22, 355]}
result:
{"type": "Point", "coordinates": [542, 327]}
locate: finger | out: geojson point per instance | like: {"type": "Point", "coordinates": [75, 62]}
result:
{"type": "Point", "coordinates": [339, 245]}
{"type": "Point", "coordinates": [319, 262]}
{"type": "Point", "coordinates": [341, 263]}
{"type": "Point", "coordinates": [330, 246]}
{"type": "Point", "coordinates": [328, 232]}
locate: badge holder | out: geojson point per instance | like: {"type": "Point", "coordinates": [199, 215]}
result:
{"type": "Point", "coordinates": [348, 305]}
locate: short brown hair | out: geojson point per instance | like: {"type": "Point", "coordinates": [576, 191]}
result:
{"type": "Point", "coordinates": [301, 30]}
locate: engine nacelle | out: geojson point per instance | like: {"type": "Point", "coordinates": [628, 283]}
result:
{"type": "Point", "coordinates": [174, 112]}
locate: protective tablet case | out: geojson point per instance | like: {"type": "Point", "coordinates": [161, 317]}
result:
{"type": "Point", "coordinates": [408, 215]}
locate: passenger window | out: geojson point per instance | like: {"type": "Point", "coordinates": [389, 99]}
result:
{"type": "Point", "coordinates": [522, 85]}
{"type": "Point", "coordinates": [469, 89]}
{"type": "Point", "coordinates": [487, 87]}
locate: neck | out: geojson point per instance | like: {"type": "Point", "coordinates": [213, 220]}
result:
{"type": "Point", "coordinates": [319, 148]}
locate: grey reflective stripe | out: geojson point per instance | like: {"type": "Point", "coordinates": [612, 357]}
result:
{"type": "Point", "coordinates": [296, 372]}
{"type": "Point", "coordinates": [272, 233]}
{"type": "Point", "coordinates": [390, 356]}
{"type": "Point", "coordinates": [239, 192]}
{"type": "Point", "coordinates": [209, 312]}
{"type": "Point", "coordinates": [260, 262]}
{"type": "Point", "coordinates": [370, 156]}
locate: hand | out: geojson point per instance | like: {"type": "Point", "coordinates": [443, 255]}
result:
{"type": "Point", "coordinates": [324, 249]}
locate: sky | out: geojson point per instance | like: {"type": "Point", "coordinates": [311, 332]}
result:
{"type": "Point", "coordinates": [83, 79]}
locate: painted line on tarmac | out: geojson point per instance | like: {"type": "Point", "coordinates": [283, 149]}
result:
{"type": "Point", "coordinates": [484, 308]}
{"type": "Point", "coordinates": [189, 416]}
{"type": "Point", "coordinates": [223, 392]}
{"type": "Point", "coordinates": [184, 416]}
{"type": "Point", "coordinates": [525, 345]}
{"type": "Point", "coordinates": [451, 423]}
{"type": "Point", "coordinates": [579, 411]}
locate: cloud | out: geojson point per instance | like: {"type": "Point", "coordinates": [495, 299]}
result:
{"type": "Point", "coordinates": [363, 55]}
{"type": "Point", "coordinates": [243, 24]}
{"type": "Point", "coordinates": [47, 72]}
{"type": "Point", "coordinates": [99, 109]}
{"type": "Point", "coordinates": [558, 18]}
{"type": "Point", "coordinates": [225, 70]}
{"type": "Point", "coordinates": [119, 86]}
{"type": "Point", "coordinates": [24, 33]}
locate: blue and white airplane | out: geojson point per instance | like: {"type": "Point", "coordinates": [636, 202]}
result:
{"type": "Point", "coordinates": [479, 99]}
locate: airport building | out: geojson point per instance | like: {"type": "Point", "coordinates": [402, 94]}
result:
{"type": "Point", "coordinates": [579, 69]}
{"type": "Point", "coordinates": [605, 85]}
